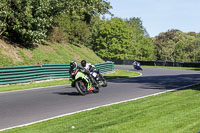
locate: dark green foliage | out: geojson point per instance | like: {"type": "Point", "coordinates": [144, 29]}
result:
{"type": "Point", "coordinates": [79, 22]}
{"type": "Point", "coordinates": [175, 45]}
{"type": "Point", "coordinates": [56, 35]}
{"type": "Point", "coordinates": [137, 24]}
{"type": "Point", "coordinates": [28, 22]}
{"type": "Point", "coordinates": [3, 16]}
{"type": "Point", "coordinates": [86, 9]}
{"type": "Point", "coordinates": [113, 40]}
{"type": "Point", "coordinates": [119, 39]}
{"type": "Point", "coordinates": [145, 49]}
{"type": "Point", "coordinates": [77, 31]}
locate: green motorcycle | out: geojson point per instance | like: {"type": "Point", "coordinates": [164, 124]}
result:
{"type": "Point", "coordinates": [82, 83]}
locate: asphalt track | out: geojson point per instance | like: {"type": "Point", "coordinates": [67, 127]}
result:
{"type": "Point", "coordinates": [21, 107]}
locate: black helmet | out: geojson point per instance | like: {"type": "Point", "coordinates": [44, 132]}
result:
{"type": "Point", "coordinates": [73, 65]}
{"type": "Point", "coordinates": [83, 63]}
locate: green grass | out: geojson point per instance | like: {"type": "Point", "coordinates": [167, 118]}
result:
{"type": "Point", "coordinates": [51, 53]}
{"type": "Point", "coordinates": [121, 74]}
{"type": "Point", "coordinates": [172, 112]}
{"type": "Point", "coordinates": [116, 74]}
{"type": "Point", "coordinates": [33, 85]}
{"type": "Point", "coordinates": [181, 68]}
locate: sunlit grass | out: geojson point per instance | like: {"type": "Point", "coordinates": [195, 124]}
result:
{"type": "Point", "coordinates": [172, 112]}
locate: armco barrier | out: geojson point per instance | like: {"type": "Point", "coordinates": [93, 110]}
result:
{"type": "Point", "coordinates": [22, 74]}
{"type": "Point", "coordinates": [156, 63]}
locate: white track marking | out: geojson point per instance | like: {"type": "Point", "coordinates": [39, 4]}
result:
{"type": "Point", "coordinates": [98, 107]}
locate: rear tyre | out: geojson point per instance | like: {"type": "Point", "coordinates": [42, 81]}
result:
{"type": "Point", "coordinates": [104, 83]}
{"type": "Point", "coordinates": [103, 80]}
{"type": "Point", "coordinates": [80, 86]}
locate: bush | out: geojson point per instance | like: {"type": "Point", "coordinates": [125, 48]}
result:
{"type": "Point", "coordinates": [77, 30]}
{"type": "Point", "coordinates": [58, 36]}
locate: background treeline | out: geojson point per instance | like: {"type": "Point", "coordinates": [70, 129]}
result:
{"type": "Point", "coordinates": [175, 45]}
{"type": "Point", "coordinates": [81, 23]}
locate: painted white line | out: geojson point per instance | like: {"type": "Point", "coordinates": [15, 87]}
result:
{"type": "Point", "coordinates": [98, 107]}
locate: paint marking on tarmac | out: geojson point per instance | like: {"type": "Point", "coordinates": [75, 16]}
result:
{"type": "Point", "coordinates": [98, 107]}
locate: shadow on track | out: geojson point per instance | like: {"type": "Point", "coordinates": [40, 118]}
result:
{"type": "Point", "coordinates": [68, 93]}
{"type": "Point", "coordinates": [161, 82]}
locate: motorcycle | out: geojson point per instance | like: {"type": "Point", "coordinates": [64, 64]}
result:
{"type": "Point", "coordinates": [98, 77]}
{"type": "Point", "coordinates": [82, 83]}
{"type": "Point", "coordinates": [137, 66]}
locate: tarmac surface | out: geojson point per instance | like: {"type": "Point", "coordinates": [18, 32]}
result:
{"type": "Point", "coordinates": [22, 107]}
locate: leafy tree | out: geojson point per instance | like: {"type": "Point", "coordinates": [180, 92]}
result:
{"type": "Point", "coordinates": [143, 47]}
{"type": "Point", "coordinates": [78, 19]}
{"type": "Point", "coordinates": [175, 45]}
{"type": "Point", "coordinates": [29, 21]}
{"type": "Point", "coordinates": [113, 40]}
{"type": "Point", "coordinates": [3, 15]}
{"type": "Point", "coordinates": [118, 39]}
{"type": "Point", "coordinates": [137, 24]}
{"type": "Point", "coordinates": [84, 10]}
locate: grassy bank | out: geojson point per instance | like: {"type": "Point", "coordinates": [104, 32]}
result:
{"type": "Point", "coordinates": [116, 74]}
{"type": "Point", "coordinates": [172, 112]}
{"type": "Point", "coordinates": [11, 55]}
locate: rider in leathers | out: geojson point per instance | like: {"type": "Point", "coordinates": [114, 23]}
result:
{"type": "Point", "coordinates": [88, 67]}
{"type": "Point", "coordinates": [74, 66]}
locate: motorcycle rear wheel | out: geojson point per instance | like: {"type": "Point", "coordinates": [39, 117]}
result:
{"type": "Point", "coordinates": [104, 83]}
{"type": "Point", "coordinates": [103, 80]}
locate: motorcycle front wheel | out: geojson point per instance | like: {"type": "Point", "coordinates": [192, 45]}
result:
{"type": "Point", "coordinates": [80, 86]}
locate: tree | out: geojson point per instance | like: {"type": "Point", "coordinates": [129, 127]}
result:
{"type": "Point", "coordinates": [28, 22]}
{"type": "Point", "coordinates": [84, 10]}
{"type": "Point", "coordinates": [3, 15]}
{"type": "Point", "coordinates": [175, 45]}
{"type": "Point", "coordinates": [113, 40]}
{"type": "Point", "coordinates": [136, 23]}
{"type": "Point", "coordinates": [143, 47]}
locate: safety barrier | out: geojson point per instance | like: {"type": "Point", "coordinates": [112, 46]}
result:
{"type": "Point", "coordinates": [156, 63]}
{"type": "Point", "coordinates": [22, 74]}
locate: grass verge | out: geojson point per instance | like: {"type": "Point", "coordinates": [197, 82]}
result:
{"type": "Point", "coordinates": [181, 68]}
{"type": "Point", "coordinates": [172, 112]}
{"type": "Point", "coordinates": [121, 74]}
{"type": "Point", "coordinates": [116, 74]}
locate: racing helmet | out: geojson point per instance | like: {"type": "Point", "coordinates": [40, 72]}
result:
{"type": "Point", "coordinates": [73, 65]}
{"type": "Point", "coordinates": [83, 63]}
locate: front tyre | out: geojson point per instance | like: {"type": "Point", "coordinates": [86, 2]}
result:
{"type": "Point", "coordinates": [80, 86]}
